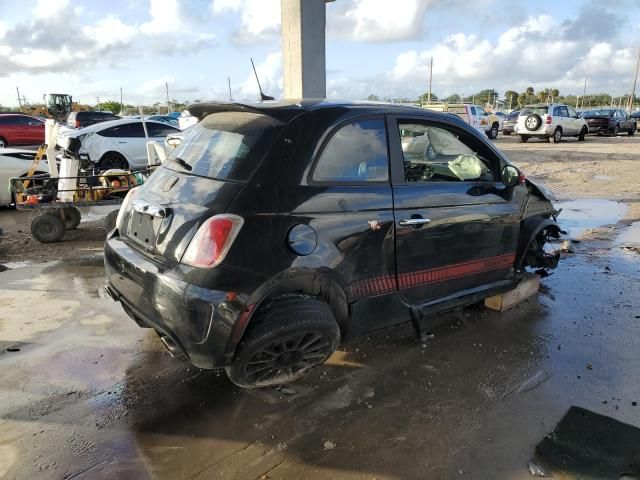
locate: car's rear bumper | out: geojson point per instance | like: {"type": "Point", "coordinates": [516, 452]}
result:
{"type": "Point", "coordinates": [193, 321]}
{"type": "Point", "coordinates": [543, 131]}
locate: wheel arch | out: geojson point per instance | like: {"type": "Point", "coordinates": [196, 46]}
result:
{"type": "Point", "coordinates": [114, 152]}
{"type": "Point", "coordinates": [323, 283]}
{"type": "Point", "coordinates": [529, 229]}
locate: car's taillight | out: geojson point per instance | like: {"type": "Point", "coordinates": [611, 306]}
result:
{"type": "Point", "coordinates": [548, 120]}
{"type": "Point", "coordinates": [212, 241]}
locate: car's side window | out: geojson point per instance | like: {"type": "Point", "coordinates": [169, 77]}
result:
{"type": "Point", "coordinates": [357, 152]}
{"type": "Point", "coordinates": [563, 112]}
{"type": "Point", "coordinates": [156, 130]}
{"type": "Point", "coordinates": [571, 112]}
{"type": "Point", "coordinates": [440, 153]}
{"type": "Point", "coordinates": [129, 130]}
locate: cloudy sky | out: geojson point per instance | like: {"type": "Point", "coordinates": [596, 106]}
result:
{"type": "Point", "coordinates": [91, 48]}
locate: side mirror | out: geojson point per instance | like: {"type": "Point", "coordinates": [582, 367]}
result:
{"type": "Point", "coordinates": [510, 176]}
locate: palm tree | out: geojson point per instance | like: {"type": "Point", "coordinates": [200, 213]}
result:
{"type": "Point", "coordinates": [555, 93]}
{"type": "Point", "coordinates": [529, 92]}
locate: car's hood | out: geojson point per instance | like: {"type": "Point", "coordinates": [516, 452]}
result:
{"type": "Point", "coordinates": [541, 190]}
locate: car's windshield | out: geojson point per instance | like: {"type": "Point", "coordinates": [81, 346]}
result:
{"type": "Point", "coordinates": [226, 145]}
{"type": "Point", "coordinates": [537, 109]}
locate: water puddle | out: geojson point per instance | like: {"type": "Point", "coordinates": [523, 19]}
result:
{"type": "Point", "coordinates": [578, 216]}
{"type": "Point", "coordinates": [630, 237]}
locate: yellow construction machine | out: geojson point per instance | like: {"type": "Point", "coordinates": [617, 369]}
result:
{"type": "Point", "coordinates": [56, 106]}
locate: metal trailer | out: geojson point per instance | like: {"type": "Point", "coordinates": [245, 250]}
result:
{"type": "Point", "coordinates": [51, 217]}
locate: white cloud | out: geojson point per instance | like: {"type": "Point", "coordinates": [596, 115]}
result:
{"type": "Point", "coordinates": [378, 20]}
{"type": "Point", "coordinates": [110, 31]}
{"type": "Point", "coordinates": [166, 17]}
{"type": "Point", "coordinates": [533, 53]}
{"type": "Point", "coordinates": [259, 19]}
{"type": "Point", "coordinates": [50, 8]}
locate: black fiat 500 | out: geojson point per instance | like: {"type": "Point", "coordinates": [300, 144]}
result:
{"type": "Point", "coordinates": [275, 231]}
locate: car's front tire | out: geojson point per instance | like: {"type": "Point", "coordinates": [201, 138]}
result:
{"type": "Point", "coordinates": [583, 134]}
{"type": "Point", "coordinates": [632, 131]}
{"type": "Point", "coordinates": [3, 143]}
{"type": "Point", "coordinates": [493, 131]}
{"type": "Point", "coordinates": [290, 336]}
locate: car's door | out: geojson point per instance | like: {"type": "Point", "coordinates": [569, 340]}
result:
{"type": "Point", "coordinates": [33, 131]}
{"type": "Point", "coordinates": [129, 140]}
{"type": "Point", "coordinates": [457, 225]}
{"type": "Point", "coordinates": [574, 119]}
{"type": "Point", "coordinates": [159, 131]}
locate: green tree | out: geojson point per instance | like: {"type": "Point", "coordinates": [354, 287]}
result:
{"type": "Point", "coordinates": [511, 97]}
{"type": "Point", "coordinates": [488, 95]}
{"type": "Point", "coordinates": [424, 98]}
{"type": "Point", "coordinates": [555, 93]}
{"type": "Point", "coordinates": [111, 106]}
{"type": "Point", "coordinates": [522, 100]}
{"type": "Point", "coordinates": [453, 98]}
{"type": "Point", "coordinates": [373, 98]}
{"type": "Point", "coordinates": [529, 92]}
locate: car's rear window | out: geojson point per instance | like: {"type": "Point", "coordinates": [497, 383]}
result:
{"type": "Point", "coordinates": [540, 110]}
{"type": "Point", "coordinates": [225, 145]}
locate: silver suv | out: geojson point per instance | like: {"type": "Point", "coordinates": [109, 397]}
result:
{"type": "Point", "coordinates": [550, 120]}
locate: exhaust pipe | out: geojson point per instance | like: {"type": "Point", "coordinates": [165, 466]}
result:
{"type": "Point", "coordinates": [170, 345]}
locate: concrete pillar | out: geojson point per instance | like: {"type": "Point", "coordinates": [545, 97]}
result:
{"type": "Point", "coordinates": [303, 48]}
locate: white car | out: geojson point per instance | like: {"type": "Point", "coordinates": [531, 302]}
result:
{"type": "Point", "coordinates": [117, 143]}
{"type": "Point", "coordinates": [16, 163]}
{"type": "Point", "coordinates": [551, 121]}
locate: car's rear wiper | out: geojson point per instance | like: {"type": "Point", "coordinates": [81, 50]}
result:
{"type": "Point", "coordinates": [183, 164]}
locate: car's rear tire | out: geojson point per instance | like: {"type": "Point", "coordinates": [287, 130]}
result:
{"type": "Point", "coordinates": [616, 131]}
{"type": "Point", "coordinates": [290, 336]}
{"type": "Point", "coordinates": [3, 143]}
{"type": "Point", "coordinates": [533, 122]}
{"type": "Point", "coordinates": [113, 160]}
{"type": "Point", "coordinates": [557, 135]}
{"type": "Point", "coordinates": [72, 217]}
{"type": "Point", "coordinates": [582, 135]}
{"type": "Point", "coordinates": [493, 131]}
{"type": "Point", "coordinates": [524, 138]}
{"type": "Point", "coordinates": [48, 227]}
{"type": "Point", "coordinates": [506, 133]}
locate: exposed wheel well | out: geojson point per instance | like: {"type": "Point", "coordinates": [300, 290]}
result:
{"type": "Point", "coordinates": [113, 155]}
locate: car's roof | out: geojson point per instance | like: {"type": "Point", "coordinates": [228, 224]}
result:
{"type": "Point", "coordinates": [286, 110]}
{"type": "Point", "coordinates": [111, 123]}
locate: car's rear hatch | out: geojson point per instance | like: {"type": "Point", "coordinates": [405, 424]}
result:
{"type": "Point", "coordinates": [199, 179]}
{"type": "Point", "coordinates": [597, 121]}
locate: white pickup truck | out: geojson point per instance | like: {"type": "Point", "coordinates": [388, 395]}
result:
{"type": "Point", "coordinates": [474, 115]}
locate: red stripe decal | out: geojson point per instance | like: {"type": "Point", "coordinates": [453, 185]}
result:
{"type": "Point", "coordinates": [387, 283]}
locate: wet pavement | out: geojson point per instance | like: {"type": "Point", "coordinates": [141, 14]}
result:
{"type": "Point", "coordinates": [87, 394]}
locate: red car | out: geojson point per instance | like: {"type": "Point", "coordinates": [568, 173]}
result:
{"type": "Point", "coordinates": [20, 129]}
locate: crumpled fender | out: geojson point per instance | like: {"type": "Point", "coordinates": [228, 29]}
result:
{"type": "Point", "coordinates": [530, 229]}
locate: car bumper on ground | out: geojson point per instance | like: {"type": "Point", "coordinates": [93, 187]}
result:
{"type": "Point", "coordinates": [193, 321]}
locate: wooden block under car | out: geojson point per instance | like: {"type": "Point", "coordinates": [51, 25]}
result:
{"type": "Point", "coordinates": [528, 286]}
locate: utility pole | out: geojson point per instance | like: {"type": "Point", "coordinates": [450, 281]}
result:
{"type": "Point", "coordinates": [633, 90]}
{"type": "Point", "coordinates": [229, 82]}
{"type": "Point", "coordinates": [586, 73]}
{"type": "Point", "coordinates": [19, 100]}
{"type": "Point", "coordinates": [166, 86]}
{"type": "Point", "coordinates": [430, 80]}
{"type": "Point", "coordinates": [98, 102]}
{"type": "Point", "coordinates": [121, 104]}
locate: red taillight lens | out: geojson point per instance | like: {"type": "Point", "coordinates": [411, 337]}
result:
{"type": "Point", "coordinates": [212, 241]}
{"type": "Point", "coordinates": [548, 120]}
